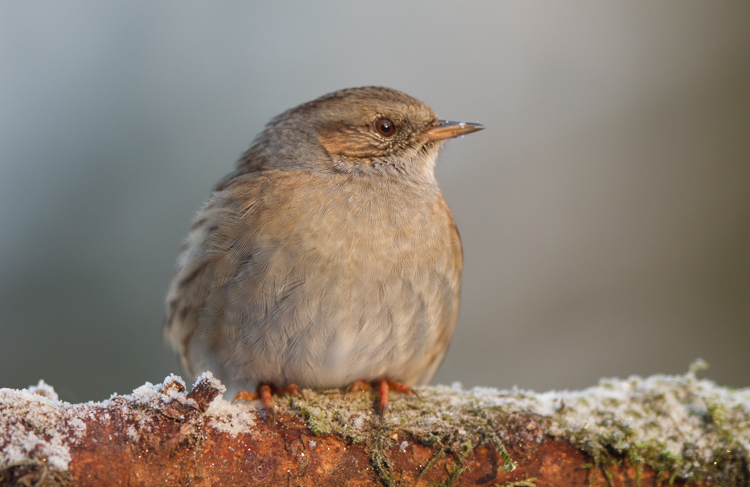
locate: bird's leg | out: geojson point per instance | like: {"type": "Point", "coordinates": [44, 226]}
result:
{"type": "Point", "coordinates": [384, 399]}
{"type": "Point", "coordinates": [264, 393]}
{"type": "Point", "coordinates": [384, 386]}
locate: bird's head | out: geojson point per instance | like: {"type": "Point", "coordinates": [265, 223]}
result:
{"type": "Point", "coordinates": [370, 130]}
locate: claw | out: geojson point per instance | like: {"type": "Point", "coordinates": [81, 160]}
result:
{"type": "Point", "coordinates": [264, 394]}
{"type": "Point", "coordinates": [245, 396]}
{"type": "Point", "coordinates": [359, 386]}
{"type": "Point", "coordinates": [291, 389]}
{"type": "Point", "coordinates": [402, 388]}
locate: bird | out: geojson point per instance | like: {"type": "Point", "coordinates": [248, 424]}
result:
{"type": "Point", "coordinates": [328, 258]}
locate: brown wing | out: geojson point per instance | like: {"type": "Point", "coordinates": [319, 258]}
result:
{"type": "Point", "coordinates": [211, 255]}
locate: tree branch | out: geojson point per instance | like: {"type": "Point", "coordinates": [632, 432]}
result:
{"type": "Point", "coordinates": [647, 432]}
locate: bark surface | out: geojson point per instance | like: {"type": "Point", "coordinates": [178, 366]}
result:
{"type": "Point", "coordinates": [164, 435]}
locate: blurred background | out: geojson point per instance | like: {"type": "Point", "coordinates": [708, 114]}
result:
{"type": "Point", "coordinates": [605, 210]}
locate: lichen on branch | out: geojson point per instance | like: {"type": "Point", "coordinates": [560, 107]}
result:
{"type": "Point", "coordinates": [636, 431]}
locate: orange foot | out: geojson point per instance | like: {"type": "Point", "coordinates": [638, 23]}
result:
{"type": "Point", "coordinates": [264, 393]}
{"type": "Point", "coordinates": [384, 387]}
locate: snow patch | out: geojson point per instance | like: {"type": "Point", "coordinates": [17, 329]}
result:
{"type": "Point", "coordinates": [44, 389]}
{"type": "Point", "coordinates": [51, 426]}
{"type": "Point", "coordinates": [228, 418]}
{"type": "Point", "coordinates": [45, 430]}
{"type": "Point", "coordinates": [212, 381]}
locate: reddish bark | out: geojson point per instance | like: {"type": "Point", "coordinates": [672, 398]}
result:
{"type": "Point", "coordinates": [182, 448]}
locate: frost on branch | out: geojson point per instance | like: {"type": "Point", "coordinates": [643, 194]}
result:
{"type": "Point", "coordinates": [652, 431]}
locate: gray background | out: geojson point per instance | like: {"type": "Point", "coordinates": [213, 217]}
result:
{"type": "Point", "coordinates": [604, 212]}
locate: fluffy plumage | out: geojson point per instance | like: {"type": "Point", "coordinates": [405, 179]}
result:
{"type": "Point", "coordinates": [329, 255]}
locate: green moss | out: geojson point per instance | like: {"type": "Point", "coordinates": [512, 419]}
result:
{"type": "Point", "coordinates": [455, 473]}
{"type": "Point", "coordinates": [433, 460]}
{"type": "Point", "coordinates": [520, 483]}
{"type": "Point", "coordinates": [687, 428]}
{"type": "Point", "coordinates": [379, 445]}
{"type": "Point", "coordinates": [690, 428]}
{"type": "Point", "coordinates": [428, 420]}
{"type": "Point", "coordinates": [33, 472]}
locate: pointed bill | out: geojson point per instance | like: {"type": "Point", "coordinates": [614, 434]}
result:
{"type": "Point", "coordinates": [446, 129]}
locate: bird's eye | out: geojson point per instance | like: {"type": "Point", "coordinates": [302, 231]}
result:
{"type": "Point", "coordinates": [385, 127]}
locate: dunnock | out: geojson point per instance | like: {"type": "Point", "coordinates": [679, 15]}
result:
{"type": "Point", "coordinates": [328, 257]}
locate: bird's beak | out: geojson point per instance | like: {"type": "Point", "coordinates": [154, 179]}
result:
{"type": "Point", "coordinates": [445, 129]}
